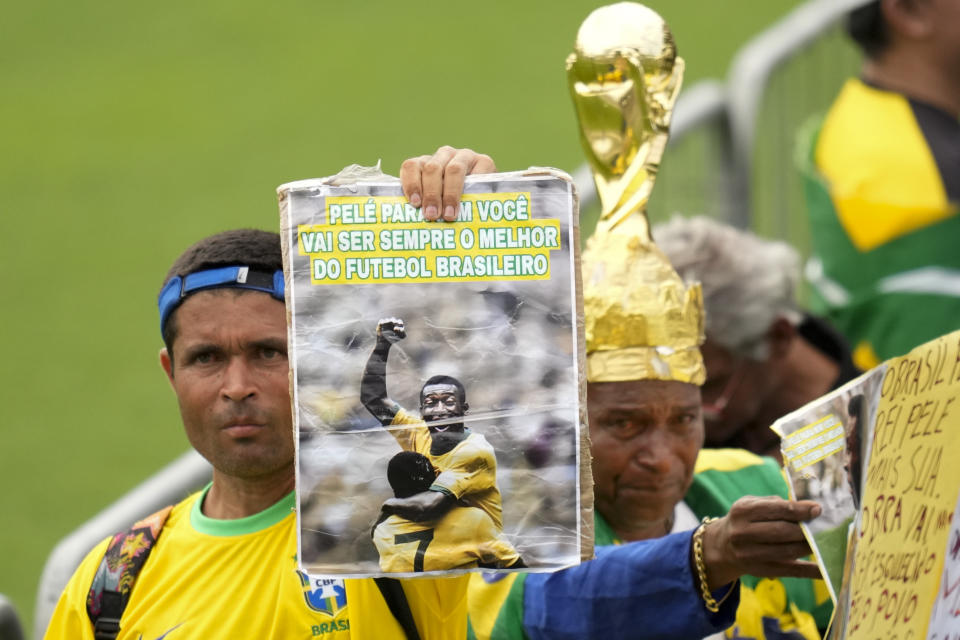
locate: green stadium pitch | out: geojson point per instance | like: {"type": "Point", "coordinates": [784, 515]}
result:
{"type": "Point", "coordinates": [131, 130]}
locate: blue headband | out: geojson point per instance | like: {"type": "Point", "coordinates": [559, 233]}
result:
{"type": "Point", "coordinates": [239, 277]}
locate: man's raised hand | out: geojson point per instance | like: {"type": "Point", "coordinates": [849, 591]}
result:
{"type": "Point", "coordinates": [436, 181]}
{"type": "Point", "coordinates": [760, 536]}
{"type": "Point", "coordinates": [391, 330]}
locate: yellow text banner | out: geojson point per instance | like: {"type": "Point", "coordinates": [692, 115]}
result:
{"type": "Point", "coordinates": [368, 240]}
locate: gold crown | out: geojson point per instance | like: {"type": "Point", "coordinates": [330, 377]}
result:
{"type": "Point", "coordinates": [642, 323]}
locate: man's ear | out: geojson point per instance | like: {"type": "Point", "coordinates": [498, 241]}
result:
{"type": "Point", "coordinates": [780, 337]}
{"type": "Point", "coordinates": [167, 363]}
{"type": "Point", "coordinates": [908, 18]}
{"type": "Point", "coordinates": [466, 406]}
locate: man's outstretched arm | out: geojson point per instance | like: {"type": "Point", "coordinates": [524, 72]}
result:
{"type": "Point", "coordinates": [639, 590]}
{"type": "Point", "coordinates": [656, 582]}
{"type": "Point", "coordinates": [373, 385]}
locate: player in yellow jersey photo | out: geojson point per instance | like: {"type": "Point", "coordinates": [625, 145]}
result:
{"type": "Point", "coordinates": [462, 538]}
{"type": "Point", "coordinates": [466, 461]}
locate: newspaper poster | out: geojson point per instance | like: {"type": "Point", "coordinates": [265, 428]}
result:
{"type": "Point", "coordinates": [899, 576]}
{"type": "Point", "coordinates": [437, 377]}
{"type": "Point", "coordinates": [824, 447]}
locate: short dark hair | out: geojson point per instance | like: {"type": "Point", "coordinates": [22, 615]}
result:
{"type": "Point", "coordinates": [441, 379]}
{"type": "Point", "coordinates": [868, 28]}
{"type": "Point", "coordinates": [410, 473]}
{"type": "Point", "coordinates": [254, 248]}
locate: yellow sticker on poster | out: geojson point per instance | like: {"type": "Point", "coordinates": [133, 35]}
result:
{"type": "Point", "coordinates": [814, 442]}
{"type": "Point", "coordinates": [383, 239]}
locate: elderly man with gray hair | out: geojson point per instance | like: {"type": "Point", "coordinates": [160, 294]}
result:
{"type": "Point", "coordinates": [764, 357]}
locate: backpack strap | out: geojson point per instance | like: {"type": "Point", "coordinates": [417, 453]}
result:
{"type": "Point", "coordinates": [396, 599]}
{"type": "Point", "coordinates": [121, 564]}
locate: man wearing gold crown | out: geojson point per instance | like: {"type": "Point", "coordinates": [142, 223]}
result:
{"type": "Point", "coordinates": [644, 368]}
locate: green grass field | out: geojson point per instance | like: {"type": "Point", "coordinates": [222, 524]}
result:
{"type": "Point", "coordinates": [130, 130]}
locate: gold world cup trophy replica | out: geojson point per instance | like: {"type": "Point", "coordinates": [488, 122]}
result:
{"type": "Point", "coordinates": [641, 321]}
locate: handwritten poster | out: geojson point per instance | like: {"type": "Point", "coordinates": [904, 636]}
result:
{"type": "Point", "coordinates": [825, 448]}
{"type": "Point", "coordinates": [893, 556]}
{"type": "Point", "coordinates": [910, 493]}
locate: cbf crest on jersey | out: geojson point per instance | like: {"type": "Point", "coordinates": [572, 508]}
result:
{"type": "Point", "coordinates": [323, 595]}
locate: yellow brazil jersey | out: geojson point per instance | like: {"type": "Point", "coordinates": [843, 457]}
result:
{"type": "Point", "coordinates": [468, 471]}
{"type": "Point", "coordinates": [464, 538]}
{"type": "Point", "coordinates": [233, 579]}
{"type": "Point", "coordinates": [883, 186]}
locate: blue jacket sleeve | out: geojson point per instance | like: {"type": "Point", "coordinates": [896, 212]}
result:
{"type": "Point", "coordinates": [639, 590]}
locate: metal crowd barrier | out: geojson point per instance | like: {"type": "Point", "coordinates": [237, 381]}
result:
{"type": "Point", "coordinates": [10, 627]}
{"type": "Point", "coordinates": [777, 82]}
{"type": "Point", "coordinates": [171, 484]}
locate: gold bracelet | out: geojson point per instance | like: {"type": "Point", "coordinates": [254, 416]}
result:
{"type": "Point", "coordinates": [711, 604]}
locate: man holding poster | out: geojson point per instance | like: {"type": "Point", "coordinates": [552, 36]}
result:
{"type": "Point", "coordinates": [232, 546]}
